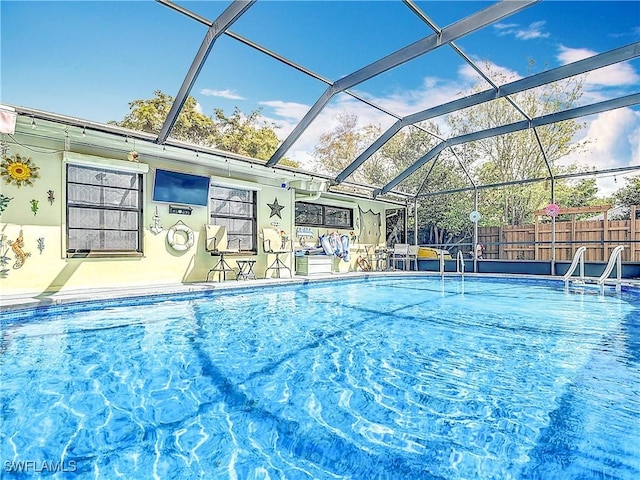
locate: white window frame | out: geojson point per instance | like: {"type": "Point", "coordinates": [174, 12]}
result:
{"type": "Point", "coordinates": [232, 237]}
{"type": "Point", "coordinates": [118, 166]}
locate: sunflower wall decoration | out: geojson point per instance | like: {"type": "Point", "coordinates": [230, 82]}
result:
{"type": "Point", "coordinates": [18, 170]}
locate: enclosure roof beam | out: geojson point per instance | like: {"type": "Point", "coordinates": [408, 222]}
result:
{"type": "Point", "coordinates": [414, 8]}
{"type": "Point", "coordinates": [217, 28]}
{"type": "Point", "coordinates": [570, 114]}
{"type": "Point", "coordinates": [186, 12]}
{"type": "Point", "coordinates": [611, 57]}
{"type": "Point", "coordinates": [456, 30]}
{"type": "Point", "coordinates": [453, 152]}
{"type": "Point", "coordinates": [544, 154]}
{"type": "Point", "coordinates": [278, 57]}
{"type": "Point", "coordinates": [630, 168]}
{"type": "Point", "coordinates": [426, 177]}
{"type": "Point", "coordinates": [417, 11]}
{"type": "Point", "coordinates": [486, 78]}
{"type": "Point", "coordinates": [464, 169]}
{"type": "Point", "coordinates": [304, 70]}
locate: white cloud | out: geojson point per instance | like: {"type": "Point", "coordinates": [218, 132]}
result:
{"type": "Point", "coordinates": [498, 72]}
{"type": "Point", "coordinates": [534, 30]}
{"type": "Point", "coordinates": [289, 110]}
{"type": "Point", "coordinates": [620, 74]}
{"type": "Point", "coordinates": [286, 115]}
{"type": "Point", "coordinates": [613, 137]}
{"type": "Point", "coordinates": [612, 140]}
{"type": "Point", "coordinates": [229, 94]}
{"type": "Point", "coordinates": [505, 26]}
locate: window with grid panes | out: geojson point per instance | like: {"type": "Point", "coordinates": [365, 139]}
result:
{"type": "Point", "coordinates": [104, 211]}
{"type": "Point", "coordinates": [314, 215]}
{"type": "Point", "coordinates": [235, 209]}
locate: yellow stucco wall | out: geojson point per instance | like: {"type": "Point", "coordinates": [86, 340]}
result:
{"type": "Point", "coordinates": [50, 270]}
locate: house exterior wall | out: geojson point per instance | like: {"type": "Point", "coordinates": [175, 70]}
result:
{"type": "Point", "coordinates": [49, 270]}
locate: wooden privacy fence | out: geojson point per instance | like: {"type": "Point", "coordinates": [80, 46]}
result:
{"type": "Point", "coordinates": [534, 242]}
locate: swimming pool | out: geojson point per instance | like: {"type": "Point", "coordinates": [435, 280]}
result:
{"type": "Point", "coordinates": [380, 378]}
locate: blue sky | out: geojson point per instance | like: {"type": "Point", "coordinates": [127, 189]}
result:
{"type": "Point", "coordinates": [88, 59]}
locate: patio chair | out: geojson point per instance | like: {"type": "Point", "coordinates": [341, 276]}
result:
{"type": "Point", "coordinates": [412, 256]}
{"type": "Point", "coordinates": [400, 253]}
{"type": "Point", "coordinates": [273, 243]}
{"type": "Point", "coordinates": [216, 244]}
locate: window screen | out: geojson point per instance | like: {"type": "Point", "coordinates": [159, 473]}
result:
{"type": "Point", "coordinates": [235, 209]}
{"type": "Point", "coordinates": [104, 210]}
{"type": "Point", "coordinates": [315, 215]}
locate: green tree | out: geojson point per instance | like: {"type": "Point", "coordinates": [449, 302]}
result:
{"type": "Point", "coordinates": [149, 116]}
{"type": "Point", "coordinates": [517, 156]}
{"type": "Point", "coordinates": [579, 193]}
{"type": "Point", "coordinates": [506, 158]}
{"type": "Point", "coordinates": [629, 194]}
{"type": "Point", "coordinates": [242, 134]}
{"type": "Point", "coordinates": [444, 219]}
{"type": "Point", "coordinates": [337, 148]}
{"type": "Point", "coordinates": [404, 148]}
{"type": "Point", "coordinates": [446, 216]}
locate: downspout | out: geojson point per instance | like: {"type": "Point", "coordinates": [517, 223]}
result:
{"type": "Point", "coordinates": [322, 186]}
{"type": "Point", "coordinates": [315, 196]}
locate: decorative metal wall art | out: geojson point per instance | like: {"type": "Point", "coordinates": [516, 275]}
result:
{"type": "Point", "coordinates": [18, 170]}
{"type": "Point", "coordinates": [34, 206]}
{"type": "Point", "coordinates": [4, 258]}
{"type": "Point", "coordinates": [370, 227]}
{"type": "Point", "coordinates": [275, 208]}
{"type": "Point", "coordinates": [156, 228]}
{"type": "Point", "coordinates": [51, 197]}
{"type": "Point", "coordinates": [4, 202]}
{"type": "Point", "coordinates": [553, 210]}
{"type": "Point", "coordinates": [41, 245]}
{"type": "Point", "coordinates": [4, 147]}
{"type": "Point", "coordinates": [21, 255]}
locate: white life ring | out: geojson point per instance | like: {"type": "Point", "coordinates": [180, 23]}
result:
{"type": "Point", "coordinates": [475, 216]}
{"type": "Point", "coordinates": [171, 237]}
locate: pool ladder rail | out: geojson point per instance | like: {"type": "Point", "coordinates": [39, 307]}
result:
{"type": "Point", "coordinates": [459, 263]}
{"type": "Point", "coordinates": [615, 260]}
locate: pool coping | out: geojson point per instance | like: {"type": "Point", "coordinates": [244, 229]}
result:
{"type": "Point", "coordinates": [15, 302]}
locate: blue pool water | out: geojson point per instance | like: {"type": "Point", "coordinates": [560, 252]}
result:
{"type": "Point", "coordinates": [384, 378]}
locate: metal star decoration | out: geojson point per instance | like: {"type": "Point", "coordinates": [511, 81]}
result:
{"type": "Point", "coordinates": [275, 208]}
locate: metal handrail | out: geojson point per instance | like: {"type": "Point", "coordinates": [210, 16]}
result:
{"type": "Point", "coordinates": [441, 263]}
{"type": "Point", "coordinates": [578, 258]}
{"type": "Point", "coordinates": [614, 260]}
